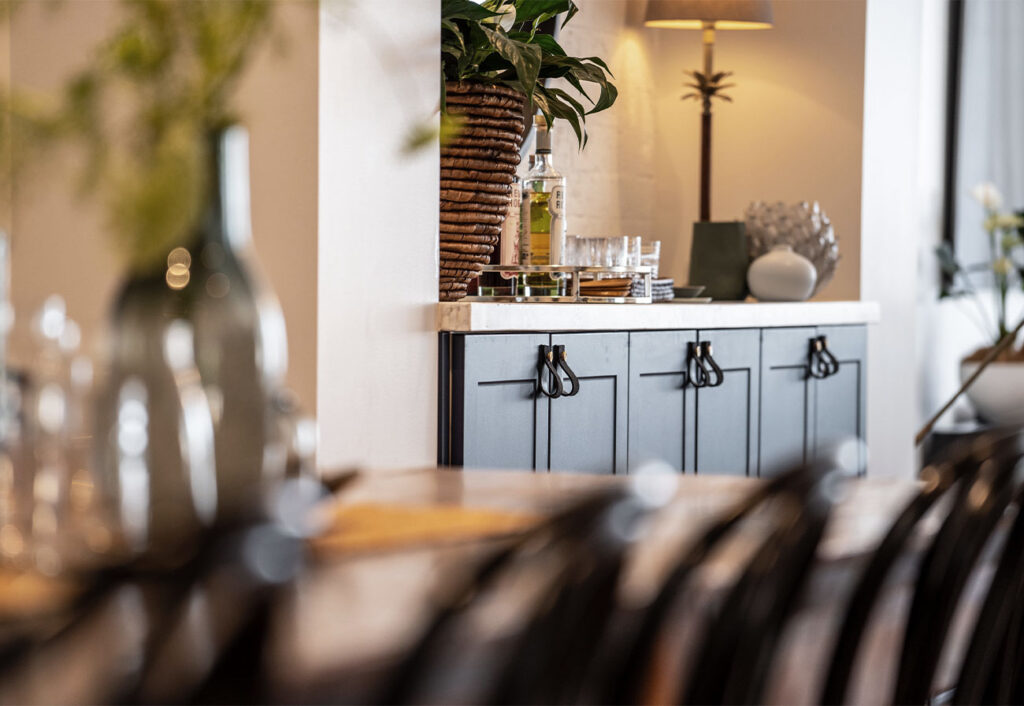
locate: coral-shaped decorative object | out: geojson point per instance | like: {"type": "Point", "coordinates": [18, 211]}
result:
{"type": "Point", "coordinates": [803, 226]}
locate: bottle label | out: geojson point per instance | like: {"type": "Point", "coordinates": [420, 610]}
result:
{"type": "Point", "coordinates": [524, 229]}
{"type": "Point", "coordinates": [556, 207]}
{"type": "Point", "coordinates": [510, 230]}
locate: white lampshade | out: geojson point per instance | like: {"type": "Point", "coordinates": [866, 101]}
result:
{"type": "Point", "coordinates": [724, 14]}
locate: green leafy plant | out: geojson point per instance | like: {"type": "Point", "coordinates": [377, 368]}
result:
{"type": "Point", "coordinates": [141, 112]}
{"type": "Point", "coordinates": [501, 42]}
{"type": "Point", "coordinates": [1004, 269]}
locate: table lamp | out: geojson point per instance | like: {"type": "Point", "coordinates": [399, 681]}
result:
{"type": "Point", "coordinates": [719, 255]}
{"type": "Point", "coordinates": [708, 16]}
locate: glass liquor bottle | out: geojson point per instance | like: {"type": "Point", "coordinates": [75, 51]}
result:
{"type": "Point", "coordinates": [544, 192]}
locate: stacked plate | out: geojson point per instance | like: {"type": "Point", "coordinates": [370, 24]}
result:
{"type": "Point", "coordinates": [618, 287]}
{"type": "Point", "coordinates": [661, 289]}
{"type": "Point", "coordinates": [477, 169]}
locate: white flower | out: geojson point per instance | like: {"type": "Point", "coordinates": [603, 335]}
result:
{"type": "Point", "coordinates": [987, 195]}
{"type": "Point", "coordinates": [508, 18]}
{"type": "Point", "coordinates": [506, 10]}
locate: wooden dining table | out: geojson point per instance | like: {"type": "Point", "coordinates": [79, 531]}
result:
{"type": "Point", "coordinates": [346, 623]}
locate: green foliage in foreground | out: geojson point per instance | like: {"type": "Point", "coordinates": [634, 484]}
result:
{"type": "Point", "coordinates": [141, 111]}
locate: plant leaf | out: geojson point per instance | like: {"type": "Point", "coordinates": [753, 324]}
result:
{"type": "Point", "coordinates": [582, 71]}
{"type": "Point", "coordinates": [570, 13]}
{"type": "Point", "coordinates": [464, 10]}
{"type": "Point", "coordinates": [954, 293]}
{"type": "Point", "coordinates": [450, 34]}
{"type": "Point", "coordinates": [566, 98]}
{"type": "Point", "coordinates": [600, 62]}
{"type": "Point", "coordinates": [947, 259]}
{"type": "Point", "coordinates": [575, 83]}
{"type": "Point", "coordinates": [525, 58]}
{"type": "Point", "coordinates": [537, 11]}
{"type": "Point", "coordinates": [540, 102]}
{"type": "Point", "coordinates": [544, 41]}
{"type": "Point", "coordinates": [555, 100]}
{"type": "Point", "coordinates": [475, 47]}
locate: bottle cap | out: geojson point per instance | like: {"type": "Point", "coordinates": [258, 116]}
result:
{"type": "Point", "coordinates": [543, 134]}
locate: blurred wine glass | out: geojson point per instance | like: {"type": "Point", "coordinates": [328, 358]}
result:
{"type": "Point", "coordinates": [48, 515]}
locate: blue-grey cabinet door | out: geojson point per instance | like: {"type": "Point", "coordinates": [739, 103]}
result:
{"type": "Point", "coordinates": [661, 404]}
{"type": "Point", "coordinates": [588, 430]}
{"type": "Point", "coordinates": [500, 419]}
{"type": "Point", "coordinates": [839, 409]}
{"type": "Point", "coordinates": [727, 416]}
{"type": "Point", "coordinates": [787, 399]}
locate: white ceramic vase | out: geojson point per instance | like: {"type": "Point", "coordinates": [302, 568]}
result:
{"type": "Point", "coordinates": [998, 393]}
{"type": "Point", "coordinates": [781, 275]}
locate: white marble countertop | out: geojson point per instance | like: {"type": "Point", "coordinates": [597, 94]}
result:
{"type": "Point", "coordinates": [470, 317]}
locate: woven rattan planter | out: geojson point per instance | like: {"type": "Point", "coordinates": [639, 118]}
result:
{"type": "Point", "coordinates": [477, 169]}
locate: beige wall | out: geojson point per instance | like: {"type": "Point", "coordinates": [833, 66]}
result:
{"type": "Point", "coordinates": [611, 183]}
{"type": "Point", "coordinates": [5, 79]}
{"type": "Point", "coordinates": [793, 132]}
{"type": "Point", "coordinates": [59, 241]}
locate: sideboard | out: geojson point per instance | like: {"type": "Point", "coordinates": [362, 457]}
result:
{"type": "Point", "coordinates": [738, 388]}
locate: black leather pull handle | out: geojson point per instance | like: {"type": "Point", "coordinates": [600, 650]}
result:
{"type": "Point", "coordinates": [831, 362]}
{"type": "Point", "coordinates": [717, 377]}
{"type": "Point", "coordinates": [560, 361]}
{"type": "Point", "coordinates": [547, 369]}
{"type": "Point", "coordinates": [695, 368]}
{"type": "Point", "coordinates": [817, 367]}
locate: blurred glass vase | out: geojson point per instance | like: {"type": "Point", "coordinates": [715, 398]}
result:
{"type": "Point", "coordinates": [186, 433]}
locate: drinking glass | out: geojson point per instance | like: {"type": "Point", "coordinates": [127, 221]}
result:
{"type": "Point", "coordinates": [617, 250]}
{"type": "Point", "coordinates": [595, 252]}
{"type": "Point", "coordinates": [575, 250]}
{"type": "Point", "coordinates": [599, 253]}
{"type": "Point", "coordinates": [650, 255]}
{"type": "Point", "coordinates": [635, 249]}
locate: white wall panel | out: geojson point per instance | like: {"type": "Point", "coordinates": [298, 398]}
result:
{"type": "Point", "coordinates": [378, 223]}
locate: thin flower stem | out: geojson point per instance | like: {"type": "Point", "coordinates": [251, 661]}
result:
{"type": "Point", "coordinates": [978, 318]}
{"type": "Point", "coordinates": [986, 325]}
{"type": "Point", "coordinates": [1000, 278]}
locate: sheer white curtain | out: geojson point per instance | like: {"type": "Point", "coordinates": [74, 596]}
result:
{"type": "Point", "coordinates": [991, 115]}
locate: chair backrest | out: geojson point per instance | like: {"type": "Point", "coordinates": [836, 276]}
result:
{"type": "Point", "coordinates": [949, 563]}
{"type": "Point", "coordinates": [627, 659]}
{"type": "Point", "coordinates": [990, 673]}
{"type": "Point", "coordinates": [740, 641]}
{"type": "Point", "coordinates": [558, 658]}
{"type": "Point", "coordinates": [408, 681]}
{"type": "Point", "coordinates": [1007, 686]}
{"type": "Point", "coordinates": [958, 470]}
{"type": "Point", "coordinates": [866, 592]}
{"type": "Point", "coordinates": [551, 661]}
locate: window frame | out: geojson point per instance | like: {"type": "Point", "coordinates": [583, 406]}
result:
{"type": "Point", "coordinates": [952, 138]}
